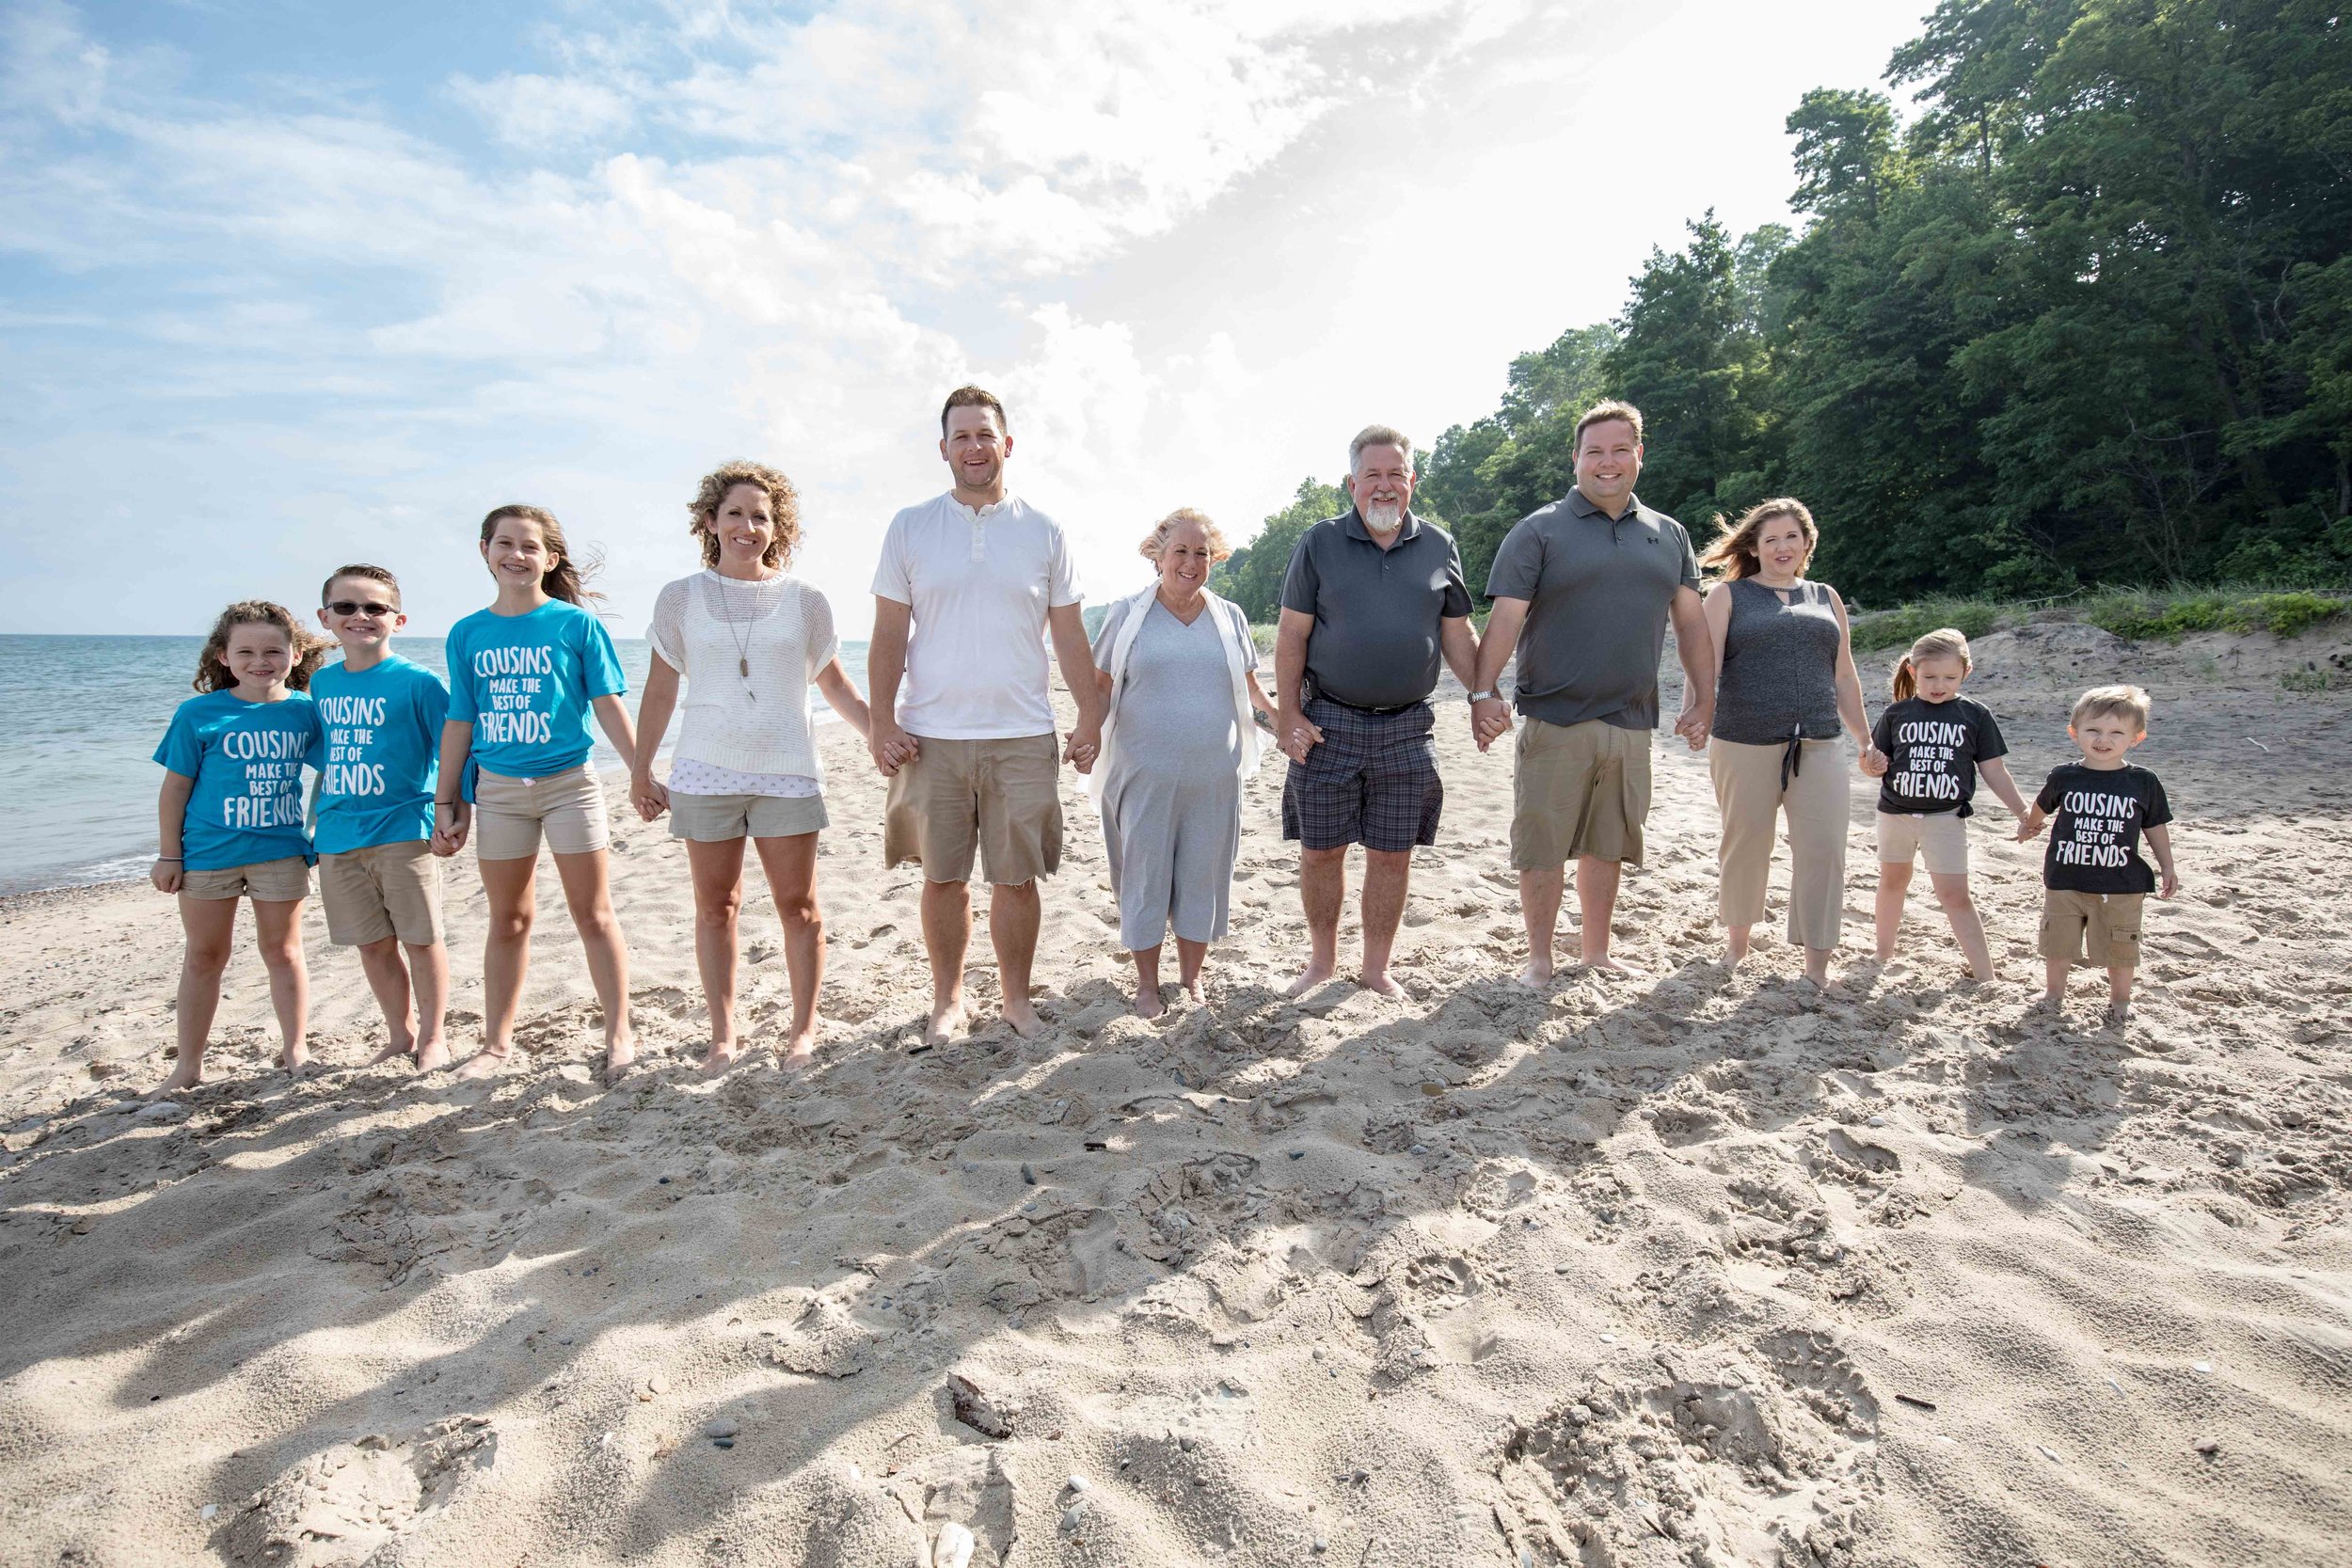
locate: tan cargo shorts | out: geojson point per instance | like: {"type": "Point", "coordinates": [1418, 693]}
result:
{"type": "Point", "coordinates": [998, 799]}
{"type": "Point", "coordinates": [384, 890]}
{"type": "Point", "coordinates": [2100, 929]}
{"type": "Point", "coordinates": [1577, 791]}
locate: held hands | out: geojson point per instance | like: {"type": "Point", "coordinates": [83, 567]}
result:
{"type": "Point", "coordinates": [650, 799]}
{"type": "Point", "coordinates": [1490, 720]}
{"type": "Point", "coordinates": [1084, 746]}
{"type": "Point", "coordinates": [1693, 724]}
{"type": "Point", "coordinates": [1296, 735]}
{"type": "Point", "coordinates": [167, 876]}
{"type": "Point", "coordinates": [1873, 761]}
{"type": "Point", "coordinates": [2030, 827]}
{"type": "Point", "coordinates": [891, 747]}
{"type": "Point", "coordinates": [451, 824]}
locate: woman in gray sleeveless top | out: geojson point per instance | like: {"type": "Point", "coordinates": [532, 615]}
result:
{"type": "Point", "coordinates": [1786, 684]}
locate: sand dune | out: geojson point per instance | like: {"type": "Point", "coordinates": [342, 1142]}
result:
{"type": "Point", "coordinates": [1701, 1269]}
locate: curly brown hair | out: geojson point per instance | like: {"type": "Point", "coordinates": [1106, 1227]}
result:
{"type": "Point", "coordinates": [783, 501]}
{"type": "Point", "coordinates": [1733, 556]}
{"type": "Point", "coordinates": [211, 666]}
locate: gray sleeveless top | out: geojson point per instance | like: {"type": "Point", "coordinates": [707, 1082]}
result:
{"type": "Point", "coordinates": [1780, 666]}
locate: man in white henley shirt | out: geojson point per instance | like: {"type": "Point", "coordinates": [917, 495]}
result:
{"type": "Point", "coordinates": [968, 585]}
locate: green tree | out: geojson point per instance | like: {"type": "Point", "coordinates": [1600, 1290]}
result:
{"type": "Point", "coordinates": [1252, 576]}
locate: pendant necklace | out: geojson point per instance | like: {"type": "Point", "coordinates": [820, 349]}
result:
{"type": "Point", "coordinates": [741, 642]}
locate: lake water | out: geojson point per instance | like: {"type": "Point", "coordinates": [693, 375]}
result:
{"type": "Point", "coordinates": [80, 716]}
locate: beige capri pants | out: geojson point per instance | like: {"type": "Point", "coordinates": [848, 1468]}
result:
{"type": "Point", "coordinates": [1749, 794]}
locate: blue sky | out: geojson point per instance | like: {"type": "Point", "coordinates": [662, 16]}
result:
{"type": "Point", "coordinates": [285, 285]}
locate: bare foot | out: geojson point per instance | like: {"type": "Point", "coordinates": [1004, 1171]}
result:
{"type": "Point", "coordinates": [1609, 965]}
{"type": "Point", "coordinates": [1147, 1003]}
{"type": "Point", "coordinates": [1537, 973]}
{"type": "Point", "coordinates": [433, 1055]}
{"type": "Point", "coordinates": [482, 1064]}
{"type": "Point", "coordinates": [1380, 985]}
{"type": "Point", "coordinates": [619, 1057]}
{"type": "Point", "coordinates": [723, 1054]}
{"type": "Point", "coordinates": [1316, 974]}
{"type": "Point", "coordinates": [297, 1062]}
{"type": "Point", "coordinates": [1735, 954]}
{"type": "Point", "coordinates": [800, 1047]}
{"type": "Point", "coordinates": [1023, 1017]}
{"type": "Point", "coordinates": [395, 1052]}
{"type": "Point", "coordinates": [946, 1021]}
{"type": "Point", "coordinates": [186, 1073]}
{"type": "Point", "coordinates": [1198, 992]}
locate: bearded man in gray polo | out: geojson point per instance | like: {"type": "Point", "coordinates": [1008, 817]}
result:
{"type": "Point", "coordinates": [1582, 589]}
{"type": "Point", "coordinates": [1372, 602]}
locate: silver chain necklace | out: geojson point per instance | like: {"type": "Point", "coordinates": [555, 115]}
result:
{"type": "Point", "coordinates": [740, 640]}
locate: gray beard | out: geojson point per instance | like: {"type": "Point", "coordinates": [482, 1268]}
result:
{"type": "Point", "coordinates": [1384, 519]}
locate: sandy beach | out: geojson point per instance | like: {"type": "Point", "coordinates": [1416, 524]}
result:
{"type": "Point", "coordinates": [1702, 1268]}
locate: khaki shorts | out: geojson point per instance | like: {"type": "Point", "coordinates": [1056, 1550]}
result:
{"type": "Point", "coordinates": [1577, 789]}
{"type": "Point", "coordinates": [2100, 929]}
{"type": "Point", "coordinates": [509, 814]}
{"type": "Point", "coordinates": [279, 881]}
{"type": "Point", "coordinates": [1940, 837]}
{"type": "Point", "coordinates": [384, 890]}
{"type": "Point", "coordinates": [716, 819]}
{"type": "Point", "coordinates": [1001, 798]}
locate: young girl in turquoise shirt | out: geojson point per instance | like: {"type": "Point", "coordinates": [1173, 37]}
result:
{"type": "Point", "coordinates": [230, 822]}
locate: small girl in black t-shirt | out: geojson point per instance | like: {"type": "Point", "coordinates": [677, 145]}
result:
{"type": "Point", "coordinates": [1933, 742]}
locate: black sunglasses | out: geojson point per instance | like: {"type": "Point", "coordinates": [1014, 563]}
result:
{"type": "Point", "coordinates": [347, 606]}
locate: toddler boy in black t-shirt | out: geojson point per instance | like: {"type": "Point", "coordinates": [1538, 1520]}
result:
{"type": "Point", "coordinates": [2093, 879]}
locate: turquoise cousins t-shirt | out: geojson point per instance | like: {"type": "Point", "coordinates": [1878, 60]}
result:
{"type": "Point", "coordinates": [525, 683]}
{"type": "Point", "coordinates": [383, 737]}
{"type": "Point", "coordinates": [246, 760]}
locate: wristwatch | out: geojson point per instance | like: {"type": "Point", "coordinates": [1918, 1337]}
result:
{"type": "Point", "coordinates": [1487, 696]}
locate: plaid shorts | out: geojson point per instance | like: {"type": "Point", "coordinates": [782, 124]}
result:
{"type": "Point", "coordinates": [1372, 781]}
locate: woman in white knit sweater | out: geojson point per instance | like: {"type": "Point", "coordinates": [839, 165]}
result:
{"type": "Point", "coordinates": [748, 639]}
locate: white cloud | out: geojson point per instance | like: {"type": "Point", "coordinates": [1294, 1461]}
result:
{"type": "Point", "coordinates": [1194, 245]}
{"type": "Point", "coordinates": [540, 114]}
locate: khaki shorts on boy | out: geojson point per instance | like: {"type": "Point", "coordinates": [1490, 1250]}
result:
{"type": "Point", "coordinates": [1000, 800]}
{"type": "Point", "coordinates": [277, 881]}
{"type": "Point", "coordinates": [2100, 929]}
{"type": "Point", "coordinates": [1577, 791]}
{"type": "Point", "coordinates": [1941, 837]}
{"type": "Point", "coordinates": [384, 890]}
{"type": "Point", "coordinates": [510, 815]}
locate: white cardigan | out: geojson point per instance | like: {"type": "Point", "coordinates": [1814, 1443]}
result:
{"type": "Point", "coordinates": [1232, 628]}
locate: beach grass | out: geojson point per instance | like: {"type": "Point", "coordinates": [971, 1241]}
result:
{"type": "Point", "coordinates": [2132, 612]}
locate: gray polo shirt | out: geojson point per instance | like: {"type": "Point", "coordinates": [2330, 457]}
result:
{"type": "Point", "coordinates": [1596, 594]}
{"type": "Point", "coordinates": [1376, 612]}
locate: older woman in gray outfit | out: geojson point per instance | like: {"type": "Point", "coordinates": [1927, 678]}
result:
{"type": "Point", "coordinates": [1786, 685]}
{"type": "Point", "coordinates": [1178, 670]}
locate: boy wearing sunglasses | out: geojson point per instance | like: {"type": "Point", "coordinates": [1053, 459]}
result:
{"type": "Point", "coordinates": [378, 877]}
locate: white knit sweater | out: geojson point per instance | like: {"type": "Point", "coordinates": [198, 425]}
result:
{"type": "Point", "coordinates": [708, 627]}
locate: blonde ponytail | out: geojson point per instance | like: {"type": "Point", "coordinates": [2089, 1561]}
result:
{"type": "Point", "coordinates": [1942, 643]}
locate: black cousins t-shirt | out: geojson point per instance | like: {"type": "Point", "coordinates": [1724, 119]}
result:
{"type": "Point", "coordinates": [2095, 818]}
{"type": "Point", "coordinates": [1932, 750]}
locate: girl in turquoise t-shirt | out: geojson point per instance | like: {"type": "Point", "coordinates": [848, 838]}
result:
{"type": "Point", "coordinates": [230, 819]}
{"type": "Point", "coordinates": [524, 675]}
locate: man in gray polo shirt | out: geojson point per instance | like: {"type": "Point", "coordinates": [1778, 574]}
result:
{"type": "Point", "coordinates": [1583, 589]}
{"type": "Point", "coordinates": [1375, 598]}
